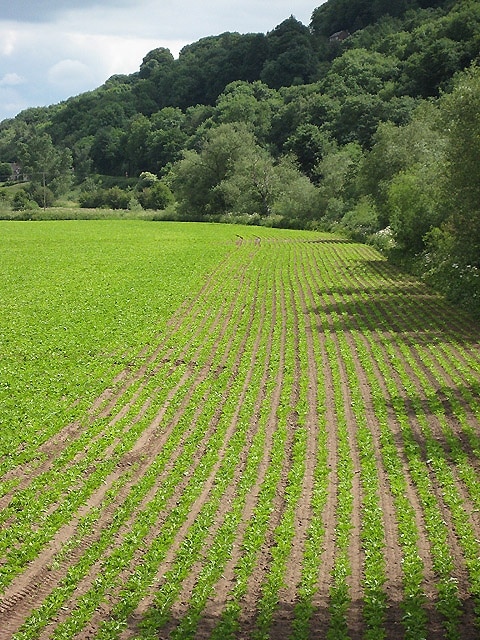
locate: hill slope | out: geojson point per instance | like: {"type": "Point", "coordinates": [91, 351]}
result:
{"type": "Point", "coordinates": [374, 133]}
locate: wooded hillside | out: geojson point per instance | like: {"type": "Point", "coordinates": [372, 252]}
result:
{"type": "Point", "coordinates": [365, 121]}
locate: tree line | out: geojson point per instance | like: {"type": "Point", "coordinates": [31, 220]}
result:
{"type": "Point", "coordinates": [376, 135]}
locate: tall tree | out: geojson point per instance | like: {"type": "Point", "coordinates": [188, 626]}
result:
{"type": "Point", "coordinates": [43, 163]}
{"type": "Point", "coordinates": [291, 55]}
{"type": "Point", "coordinates": [253, 103]}
{"type": "Point", "coordinates": [462, 119]}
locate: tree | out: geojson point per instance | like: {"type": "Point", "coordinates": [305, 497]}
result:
{"type": "Point", "coordinates": [398, 149]}
{"type": "Point", "coordinates": [253, 184]}
{"type": "Point", "coordinates": [108, 151]}
{"type": "Point", "coordinates": [158, 61]}
{"type": "Point", "coordinates": [337, 174]}
{"type": "Point", "coordinates": [452, 256]}
{"type": "Point", "coordinates": [431, 69]}
{"type": "Point", "coordinates": [196, 177]}
{"type": "Point", "coordinates": [82, 161]}
{"type": "Point", "coordinates": [5, 171]}
{"type": "Point", "coordinates": [291, 57]}
{"type": "Point", "coordinates": [297, 201]}
{"type": "Point", "coordinates": [309, 144]}
{"type": "Point", "coordinates": [136, 144]}
{"type": "Point", "coordinates": [158, 196]}
{"type": "Point", "coordinates": [460, 111]}
{"type": "Point", "coordinates": [233, 174]}
{"type": "Point", "coordinates": [252, 103]}
{"type": "Point", "coordinates": [414, 211]}
{"type": "Point", "coordinates": [166, 138]}
{"type": "Point", "coordinates": [44, 164]}
{"type": "Point", "coordinates": [360, 71]}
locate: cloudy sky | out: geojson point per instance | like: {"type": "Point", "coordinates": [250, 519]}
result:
{"type": "Point", "coordinates": [53, 49]}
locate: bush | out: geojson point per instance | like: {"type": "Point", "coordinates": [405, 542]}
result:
{"type": "Point", "coordinates": [42, 195]}
{"type": "Point", "coordinates": [113, 198]}
{"type": "Point", "coordinates": [116, 198]}
{"type": "Point", "coordinates": [446, 265]}
{"type": "Point", "coordinates": [158, 196]}
{"type": "Point", "coordinates": [23, 202]}
{"type": "Point", "coordinates": [5, 171]}
{"type": "Point", "coordinates": [147, 179]}
{"type": "Point", "coordinates": [361, 222]}
{"type": "Point", "coordinates": [91, 199]}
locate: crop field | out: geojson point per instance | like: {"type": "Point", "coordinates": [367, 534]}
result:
{"type": "Point", "coordinates": [222, 432]}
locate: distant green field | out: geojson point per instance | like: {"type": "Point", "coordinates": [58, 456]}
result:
{"type": "Point", "coordinates": [78, 298]}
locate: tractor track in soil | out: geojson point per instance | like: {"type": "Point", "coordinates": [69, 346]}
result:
{"type": "Point", "coordinates": [33, 585]}
{"type": "Point", "coordinates": [287, 302]}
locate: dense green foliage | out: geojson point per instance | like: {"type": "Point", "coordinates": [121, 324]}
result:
{"type": "Point", "coordinates": [375, 135]}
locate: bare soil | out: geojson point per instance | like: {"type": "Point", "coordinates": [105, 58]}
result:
{"type": "Point", "coordinates": [272, 312]}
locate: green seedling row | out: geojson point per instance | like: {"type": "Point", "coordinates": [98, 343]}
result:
{"type": "Point", "coordinates": [218, 431]}
{"type": "Point", "coordinates": [94, 457]}
{"type": "Point", "coordinates": [448, 602]}
{"type": "Point", "coordinates": [121, 556]}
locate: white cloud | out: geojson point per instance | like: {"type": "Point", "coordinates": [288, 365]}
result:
{"type": "Point", "coordinates": [63, 47]}
{"type": "Point", "coordinates": [11, 79]}
{"type": "Point", "coordinates": [54, 64]}
{"type": "Point", "coordinates": [11, 102]}
{"type": "Point", "coordinates": [69, 74]}
{"type": "Point", "coordinates": [43, 11]}
{"type": "Point", "coordinates": [8, 39]}
{"type": "Point", "coordinates": [111, 54]}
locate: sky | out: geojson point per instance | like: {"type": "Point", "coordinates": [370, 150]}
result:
{"type": "Point", "coordinates": [51, 50]}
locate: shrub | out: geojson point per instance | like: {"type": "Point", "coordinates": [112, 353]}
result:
{"type": "Point", "coordinates": [40, 194]}
{"type": "Point", "coordinates": [117, 198]}
{"type": "Point", "coordinates": [147, 179]}
{"type": "Point", "coordinates": [23, 202]}
{"type": "Point", "coordinates": [5, 171]}
{"type": "Point", "coordinates": [361, 222]}
{"type": "Point", "coordinates": [97, 198]}
{"type": "Point", "coordinates": [158, 196]}
{"type": "Point", "coordinates": [91, 199]}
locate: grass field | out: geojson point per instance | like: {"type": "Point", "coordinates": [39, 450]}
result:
{"type": "Point", "coordinates": [210, 431]}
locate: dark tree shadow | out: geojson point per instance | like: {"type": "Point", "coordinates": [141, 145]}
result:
{"type": "Point", "coordinates": [398, 304]}
{"type": "Point", "coordinates": [320, 623]}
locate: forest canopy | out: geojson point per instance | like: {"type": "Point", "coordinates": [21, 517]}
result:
{"type": "Point", "coordinates": [366, 122]}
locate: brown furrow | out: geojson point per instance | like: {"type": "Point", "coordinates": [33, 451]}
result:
{"type": "Point", "coordinates": [216, 603]}
{"type": "Point", "coordinates": [392, 553]}
{"type": "Point", "coordinates": [460, 572]}
{"type": "Point", "coordinates": [151, 451]}
{"type": "Point", "coordinates": [148, 447]}
{"type": "Point", "coordinates": [199, 501]}
{"type": "Point", "coordinates": [429, 582]}
{"type": "Point", "coordinates": [104, 404]}
{"type": "Point", "coordinates": [320, 619]}
{"type": "Point", "coordinates": [180, 607]}
{"type": "Point", "coordinates": [248, 603]}
{"type": "Point", "coordinates": [282, 623]}
{"type": "Point", "coordinates": [356, 556]}
{"type": "Point", "coordinates": [38, 575]}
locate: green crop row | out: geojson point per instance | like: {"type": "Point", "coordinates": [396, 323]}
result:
{"type": "Point", "coordinates": [448, 597]}
{"type": "Point", "coordinates": [291, 419]}
{"type": "Point", "coordinates": [194, 541]}
{"type": "Point", "coordinates": [287, 421]}
{"type": "Point", "coordinates": [77, 299]}
{"type": "Point", "coordinates": [47, 489]}
{"type": "Point", "coordinates": [121, 555]}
